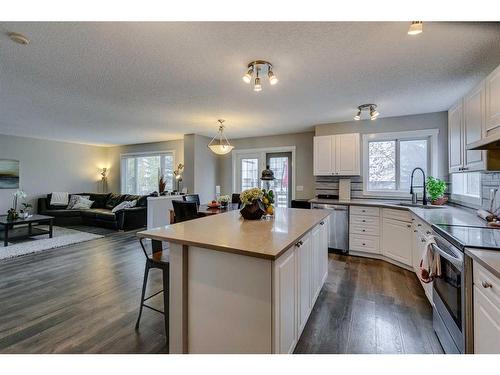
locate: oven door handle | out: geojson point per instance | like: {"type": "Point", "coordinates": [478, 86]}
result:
{"type": "Point", "coordinates": [456, 261]}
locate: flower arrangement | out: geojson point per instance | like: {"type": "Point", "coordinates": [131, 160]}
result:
{"type": "Point", "coordinates": [249, 196]}
{"type": "Point", "coordinates": [12, 214]}
{"type": "Point", "coordinates": [224, 200]}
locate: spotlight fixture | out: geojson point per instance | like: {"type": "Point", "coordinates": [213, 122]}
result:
{"type": "Point", "coordinates": [258, 66]}
{"type": "Point", "coordinates": [415, 28]}
{"type": "Point", "coordinates": [18, 38]}
{"type": "Point", "coordinates": [367, 107]}
{"type": "Point", "coordinates": [222, 146]}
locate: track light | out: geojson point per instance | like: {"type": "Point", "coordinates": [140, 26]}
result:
{"type": "Point", "coordinates": [257, 66]}
{"type": "Point", "coordinates": [367, 107]}
{"type": "Point", "coordinates": [247, 78]}
{"type": "Point", "coordinates": [415, 28]}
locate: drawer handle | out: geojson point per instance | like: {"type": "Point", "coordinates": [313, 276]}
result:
{"type": "Point", "coordinates": [299, 244]}
{"type": "Point", "coordinates": [363, 230]}
{"type": "Point", "coordinates": [423, 240]}
{"type": "Point", "coordinates": [364, 221]}
{"type": "Point", "coordinates": [364, 244]}
{"type": "Point", "coordinates": [408, 225]}
{"type": "Point", "coordinates": [322, 223]}
{"type": "Point", "coordinates": [414, 231]}
{"type": "Point", "coordinates": [419, 225]}
{"type": "Point", "coordinates": [428, 232]}
{"type": "Point", "coordinates": [363, 211]}
{"type": "Point", "coordinates": [486, 285]}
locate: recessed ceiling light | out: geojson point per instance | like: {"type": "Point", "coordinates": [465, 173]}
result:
{"type": "Point", "coordinates": [18, 38]}
{"type": "Point", "coordinates": [415, 28]}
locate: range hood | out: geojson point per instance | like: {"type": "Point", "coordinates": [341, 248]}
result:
{"type": "Point", "coordinates": [487, 143]}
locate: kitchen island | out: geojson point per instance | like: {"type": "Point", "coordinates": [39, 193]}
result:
{"type": "Point", "coordinates": [239, 286]}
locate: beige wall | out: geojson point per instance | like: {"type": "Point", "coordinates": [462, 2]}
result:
{"type": "Point", "coordinates": [114, 155]}
{"type": "Point", "coordinates": [47, 166]}
{"type": "Point", "coordinates": [436, 120]}
{"type": "Point", "coordinates": [303, 159]}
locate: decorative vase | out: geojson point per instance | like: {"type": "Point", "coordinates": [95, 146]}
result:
{"type": "Point", "coordinates": [440, 201]}
{"type": "Point", "coordinates": [253, 211]}
{"type": "Point", "coordinates": [12, 215]}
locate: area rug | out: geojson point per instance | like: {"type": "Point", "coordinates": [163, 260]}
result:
{"type": "Point", "coordinates": [61, 237]}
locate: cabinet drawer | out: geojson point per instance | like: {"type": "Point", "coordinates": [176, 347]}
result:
{"type": "Point", "coordinates": [368, 244]}
{"type": "Point", "coordinates": [401, 215]}
{"type": "Point", "coordinates": [365, 220]}
{"type": "Point", "coordinates": [365, 211]}
{"type": "Point", "coordinates": [482, 275]}
{"type": "Point", "coordinates": [372, 230]}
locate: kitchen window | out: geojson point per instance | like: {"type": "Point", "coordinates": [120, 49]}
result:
{"type": "Point", "coordinates": [466, 187]}
{"type": "Point", "coordinates": [389, 159]}
{"type": "Point", "coordinates": [140, 173]}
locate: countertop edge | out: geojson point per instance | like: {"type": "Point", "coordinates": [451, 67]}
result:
{"type": "Point", "coordinates": [471, 252]}
{"type": "Point", "coordinates": [234, 250]}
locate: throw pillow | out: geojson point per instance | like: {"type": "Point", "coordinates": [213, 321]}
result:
{"type": "Point", "coordinates": [74, 199]}
{"type": "Point", "coordinates": [123, 205]}
{"type": "Point", "coordinates": [59, 199]}
{"type": "Point", "coordinates": [83, 204]}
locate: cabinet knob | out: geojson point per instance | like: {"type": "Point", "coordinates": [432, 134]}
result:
{"type": "Point", "coordinates": [364, 244]}
{"type": "Point", "coordinates": [322, 223]}
{"type": "Point", "coordinates": [486, 285]}
{"type": "Point", "coordinates": [423, 240]}
{"type": "Point", "coordinates": [364, 221]}
{"type": "Point", "coordinates": [408, 225]}
{"type": "Point", "coordinates": [363, 230]}
{"type": "Point", "coordinates": [419, 225]}
{"type": "Point", "coordinates": [414, 231]}
{"type": "Point", "coordinates": [428, 232]}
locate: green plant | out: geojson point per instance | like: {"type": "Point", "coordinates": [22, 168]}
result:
{"type": "Point", "coordinates": [435, 187]}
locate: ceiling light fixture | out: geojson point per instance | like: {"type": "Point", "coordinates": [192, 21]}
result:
{"type": "Point", "coordinates": [222, 145]}
{"type": "Point", "coordinates": [18, 38]}
{"type": "Point", "coordinates": [367, 107]}
{"type": "Point", "coordinates": [259, 66]}
{"type": "Point", "coordinates": [415, 28]}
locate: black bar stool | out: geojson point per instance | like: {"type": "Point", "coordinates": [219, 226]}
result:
{"type": "Point", "coordinates": [157, 259]}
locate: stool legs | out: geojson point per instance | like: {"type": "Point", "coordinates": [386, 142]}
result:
{"type": "Point", "coordinates": [144, 284]}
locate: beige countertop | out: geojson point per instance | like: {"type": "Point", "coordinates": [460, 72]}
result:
{"type": "Point", "coordinates": [228, 232]}
{"type": "Point", "coordinates": [489, 259]}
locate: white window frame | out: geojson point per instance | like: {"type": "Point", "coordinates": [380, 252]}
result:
{"type": "Point", "coordinates": [139, 154]}
{"type": "Point", "coordinates": [262, 157]}
{"type": "Point", "coordinates": [432, 159]}
{"type": "Point", "coordinates": [467, 199]}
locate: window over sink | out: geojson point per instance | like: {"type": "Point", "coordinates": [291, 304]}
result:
{"type": "Point", "coordinates": [389, 159]}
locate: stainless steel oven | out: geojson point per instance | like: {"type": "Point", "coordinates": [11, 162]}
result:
{"type": "Point", "coordinates": [449, 297]}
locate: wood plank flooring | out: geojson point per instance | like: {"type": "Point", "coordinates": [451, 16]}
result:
{"type": "Point", "coordinates": [84, 298]}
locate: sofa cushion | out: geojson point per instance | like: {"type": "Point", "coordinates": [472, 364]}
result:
{"type": "Point", "coordinates": [62, 213]}
{"type": "Point", "coordinates": [104, 214]}
{"type": "Point", "coordinates": [113, 200]}
{"type": "Point", "coordinates": [99, 199]}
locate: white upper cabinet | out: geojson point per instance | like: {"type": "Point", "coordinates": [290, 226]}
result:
{"type": "Point", "coordinates": [455, 144]}
{"type": "Point", "coordinates": [337, 155]}
{"type": "Point", "coordinates": [474, 128]}
{"type": "Point", "coordinates": [492, 97]}
{"type": "Point", "coordinates": [324, 155]}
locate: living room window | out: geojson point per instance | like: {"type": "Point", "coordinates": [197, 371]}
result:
{"type": "Point", "coordinates": [389, 158]}
{"type": "Point", "coordinates": [140, 173]}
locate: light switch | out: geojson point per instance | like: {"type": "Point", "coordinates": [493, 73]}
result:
{"type": "Point", "coordinates": [300, 188]}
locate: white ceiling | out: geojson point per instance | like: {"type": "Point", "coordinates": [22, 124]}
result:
{"type": "Point", "coordinates": [120, 83]}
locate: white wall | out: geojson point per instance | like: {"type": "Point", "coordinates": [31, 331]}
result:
{"type": "Point", "coordinates": [47, 166]}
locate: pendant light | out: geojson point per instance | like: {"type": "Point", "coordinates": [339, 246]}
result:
{"type": "Point", "coordinates": [222, 145]}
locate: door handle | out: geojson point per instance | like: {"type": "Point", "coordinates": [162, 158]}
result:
{"type": "Point", "coordinates": [486, 285]}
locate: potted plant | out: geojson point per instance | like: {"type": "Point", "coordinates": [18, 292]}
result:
{"type": "Point", "coordinates": [253, 207]}
{"type": "Point", "coordinates": [26, 210]}
{"type": "Point", "coordinates": [224, 200]}
{"type": "Point", "coordinates": [435, 188]}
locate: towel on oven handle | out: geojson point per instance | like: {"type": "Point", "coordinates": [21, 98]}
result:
{"type": "Point", "coordinates": [430, 263]}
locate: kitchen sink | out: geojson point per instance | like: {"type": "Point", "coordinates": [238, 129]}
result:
{"type": "Point", "coordinates": [419, 205]}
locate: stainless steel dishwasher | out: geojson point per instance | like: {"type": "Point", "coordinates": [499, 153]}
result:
{"type": "Point", "coordinates": [338, 238]}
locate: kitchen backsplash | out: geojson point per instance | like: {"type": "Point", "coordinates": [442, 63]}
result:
{"type": "Point", "coordinates": [330, 185]}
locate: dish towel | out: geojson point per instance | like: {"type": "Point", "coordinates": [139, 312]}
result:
{"type": "Point", "coordinates": [430, 264]}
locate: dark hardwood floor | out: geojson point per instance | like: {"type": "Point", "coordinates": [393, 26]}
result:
{"type": "Point", "coordinates": [84, 298]}
{"type": "Point", "coordinates": [369, 306]}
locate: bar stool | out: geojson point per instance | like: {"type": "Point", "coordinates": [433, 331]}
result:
{"type": "Point", "coordinates": [157, 259]}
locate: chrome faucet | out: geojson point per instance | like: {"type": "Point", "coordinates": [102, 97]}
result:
{"type": "Point", "coordinates": [413, 194]}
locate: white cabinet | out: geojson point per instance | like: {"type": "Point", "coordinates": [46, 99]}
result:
{"type": "Point", "coordinates": [304, 272]}
{"type": "Point", "coordinates": [324, 155]}
{"type": "Point", "coordinates": [492, 97]}
{"type": "Point", "coordinates": [364, 229]}
{"type": "Point", "coordinates": [455, 142]}
{"type": "Point", "coordinates": [473, 129]}
{"type": "Point", "coordinates": [337, 155]}
{"type": "Point", "coordinates": [396, 240]}
{"type": "Point", "coordinates": [286, 301]}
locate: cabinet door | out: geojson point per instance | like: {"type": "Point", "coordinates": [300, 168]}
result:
{"type": "Point", "coordinates": [347, 154]}
{"type": "Point", "coordinates": [492, 86]}
{"type": "Point", "coordinates": [396, 240]}
{"type": "Point", "coordinates": [473, 128]}
{"type": "Point", "coordinates": [455, 138]}
{"type": "Point", "coordinates": [285, 302]}
{"type": "Point", "coordinates": [303, 254]}
{"type": "Point", "coordinates": [324, 155]}
{"type": "Point", "coordinates": [486, 324]}
{"type": "Point", "coordinates": [315, 263]}
{"type": "Point", "coordinates": [415, 249]}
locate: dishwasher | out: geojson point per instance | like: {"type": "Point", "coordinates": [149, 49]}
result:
{"type": "Point", "coordinates": [338, 232]}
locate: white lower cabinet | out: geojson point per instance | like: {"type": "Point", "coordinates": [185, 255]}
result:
{"type": "Point", "coordinates": [486, 294]}
{"type": "Point", "coordinates": [396, 240]}
{"type": "Point", "coordinates": [299, 275]}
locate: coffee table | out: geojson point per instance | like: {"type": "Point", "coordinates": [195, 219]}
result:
{"type": "Point", "coordinates": [11, 229]}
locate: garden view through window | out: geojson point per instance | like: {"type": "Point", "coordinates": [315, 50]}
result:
{"type": "Point", "coordinates": [141, 173]}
